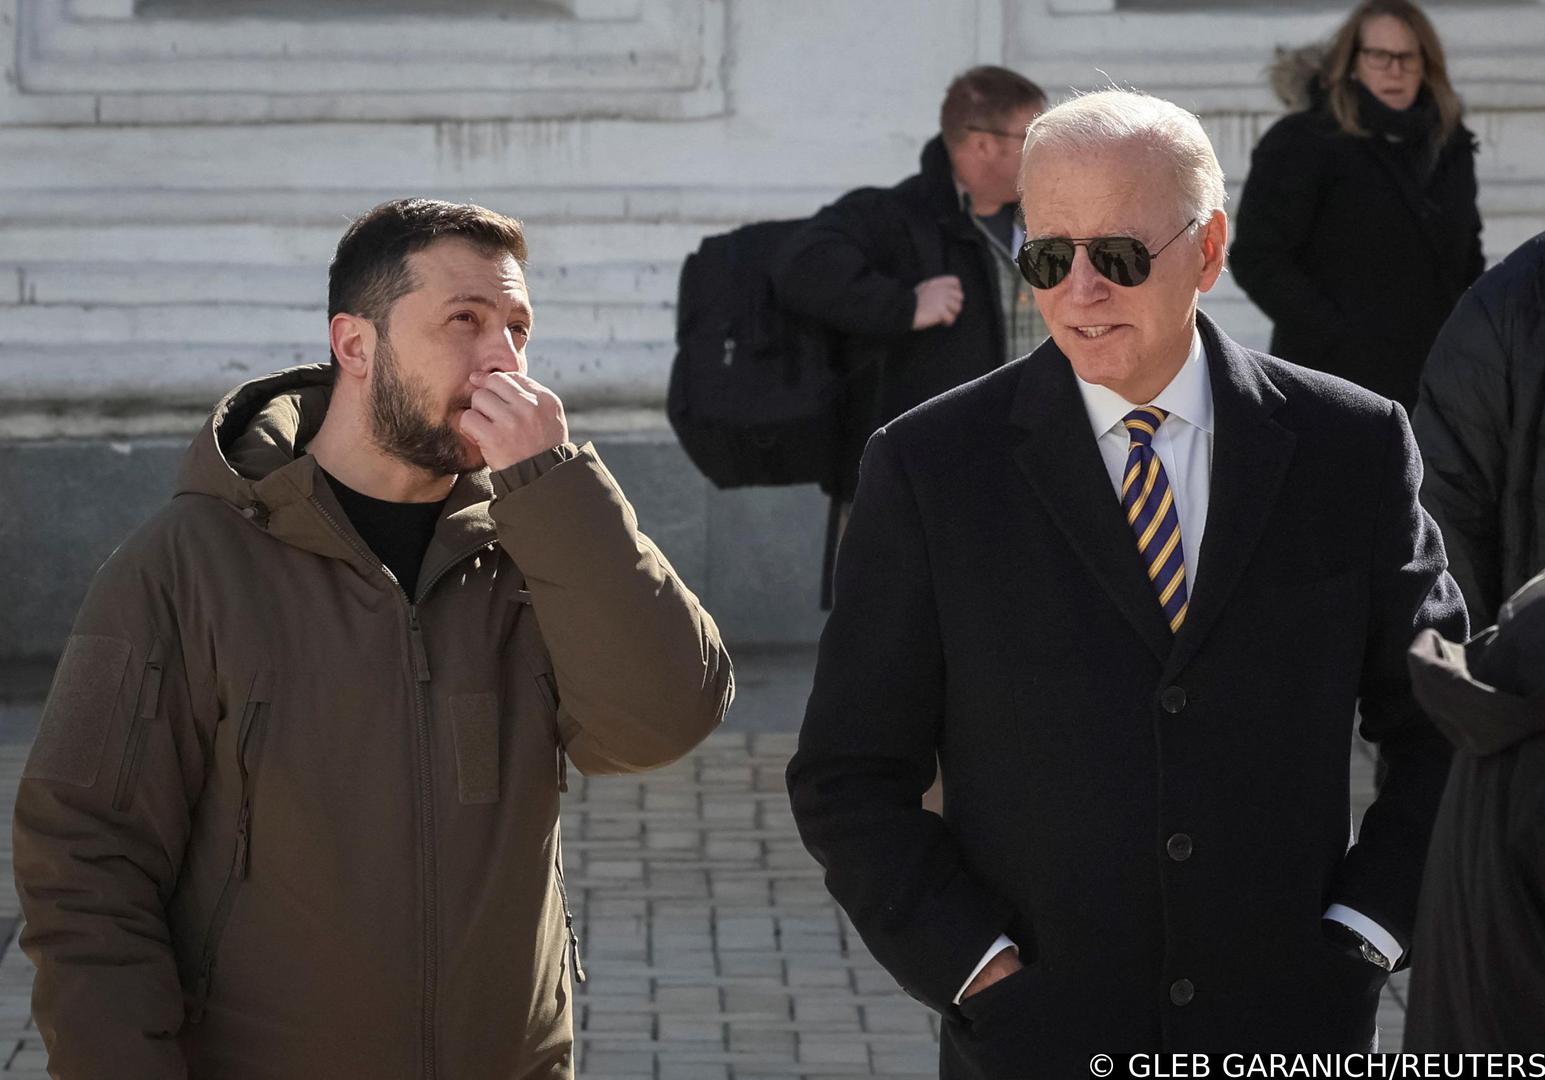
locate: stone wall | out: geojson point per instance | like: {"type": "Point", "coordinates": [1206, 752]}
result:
{"type": "Point", "coordinates": [172, 184]}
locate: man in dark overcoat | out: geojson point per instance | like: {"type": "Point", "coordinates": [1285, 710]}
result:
{"type": "Point", "coordinates": [1128, 592]}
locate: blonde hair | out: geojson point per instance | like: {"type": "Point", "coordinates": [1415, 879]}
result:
{"type": "Point", "coordinates": [1106, 117]}
{"type": "Point", "coordinates": [1341, 60]}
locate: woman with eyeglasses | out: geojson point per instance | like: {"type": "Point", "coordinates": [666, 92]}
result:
{"type": "Point", "coordinates": [1357, 230]}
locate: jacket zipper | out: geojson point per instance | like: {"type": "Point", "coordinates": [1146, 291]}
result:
{"type": "Point", "coordinates": [575, 966]}
{"type": "Point", "coordinates": [426, 834]}
{"type": "Point", "coordinates": [147, 704]}
{"type": "Point", "coordinates": [246, 748]}
{"type": "Point", "coordinates": [550, 692]}
{"type": "Point", "coordinates": [418, 653]}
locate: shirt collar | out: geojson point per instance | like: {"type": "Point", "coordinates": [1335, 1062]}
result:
{"type": "Point", "coordinates": [1188, 396]}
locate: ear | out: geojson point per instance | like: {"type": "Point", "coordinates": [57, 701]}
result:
{"type": "Point", "coordinates": [1214, 246]}
{"type": "Point", "coordinates": [354, 343]}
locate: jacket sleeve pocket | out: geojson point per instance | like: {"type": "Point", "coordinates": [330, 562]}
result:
{"type": "Point", "coordinates": [81, 706]}
{"type": "Point", "coordinates": [147, 705]}
{"type": "Point", "coordinates": [475, 724]}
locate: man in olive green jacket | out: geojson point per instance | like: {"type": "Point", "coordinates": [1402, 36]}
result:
{"type": "Point", "coordinates": [293, 807]}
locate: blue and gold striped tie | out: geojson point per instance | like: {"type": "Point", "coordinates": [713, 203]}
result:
{"type": "Point", "coordinates": [1151, 511]}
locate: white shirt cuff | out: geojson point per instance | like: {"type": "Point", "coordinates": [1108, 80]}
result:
{"type": "Point", "coordinates": [997, 946]}
{"type": "Point", "coordinates": [1377, 936]}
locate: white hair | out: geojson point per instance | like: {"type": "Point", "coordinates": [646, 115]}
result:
{"type": "Point", "coordinates": [1105, 117]}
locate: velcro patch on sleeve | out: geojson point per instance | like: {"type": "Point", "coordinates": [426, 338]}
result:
{"type": "Point", "coordinates": [79, 715]}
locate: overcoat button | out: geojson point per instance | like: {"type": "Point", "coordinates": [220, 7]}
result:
{"type": "Point", "coordinates": [1181, 992]}
{"type": "Point", "coordinates": [1173, 699]}
{"type": "Point", "coordinates": [1179, 847]}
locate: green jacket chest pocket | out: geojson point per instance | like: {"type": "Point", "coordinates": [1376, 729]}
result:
{"type": "Point", "coordinates": [475, 726]}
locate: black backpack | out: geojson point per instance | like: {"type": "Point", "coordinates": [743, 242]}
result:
{"type": "Point", "coordinates": [754, 388]}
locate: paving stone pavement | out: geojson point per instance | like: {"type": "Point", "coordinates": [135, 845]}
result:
{"type": "Point", "coordinates": [712, 948]}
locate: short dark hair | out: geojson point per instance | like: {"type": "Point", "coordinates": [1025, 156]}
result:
{"type": "Point", "coordinates": [983, 97]}
{"type": "Point", "coordinates": [369, 272]}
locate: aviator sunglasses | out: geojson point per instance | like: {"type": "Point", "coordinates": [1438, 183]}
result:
{"type": "Point", "coordinates": [1046, 261]}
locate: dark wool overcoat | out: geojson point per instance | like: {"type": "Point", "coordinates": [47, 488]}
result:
{"type": "Point", "coordinates": [1158, 821]}
{"type": "Point", "coordinates": [1356, 257]}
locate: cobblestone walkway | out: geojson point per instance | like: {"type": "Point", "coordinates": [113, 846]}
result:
{"type": "Point", "coordinates": [713, 950]}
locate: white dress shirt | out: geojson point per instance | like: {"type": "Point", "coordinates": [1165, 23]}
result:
{"type": "Point", "coordinates": [1184, 446]}
{"type": "Point", "coordinates": [1183, 443]}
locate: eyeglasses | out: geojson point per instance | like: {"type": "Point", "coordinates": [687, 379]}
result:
{"type": "Point", "coordinates": [1046, 261]}
{"type": "Point", "coordinates": [1384, 59]}
{"type": "Point", "coordinates": [994, 131]}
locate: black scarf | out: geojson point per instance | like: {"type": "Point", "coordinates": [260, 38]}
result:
{"type": "Point", "coordinates": [1413, 130]}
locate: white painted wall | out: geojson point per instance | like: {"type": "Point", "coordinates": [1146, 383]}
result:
{"type": "Point", "coordinates": [171, 189]}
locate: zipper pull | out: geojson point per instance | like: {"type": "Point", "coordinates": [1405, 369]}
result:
{"type": "Point", "coordinates": [243, 841]}
{"type": "Point", "coordinates": [578, 968]}
{"type": "Point", "coordinates": [420, 653]}
{"type": "Point", "coordinates": [200, 996]}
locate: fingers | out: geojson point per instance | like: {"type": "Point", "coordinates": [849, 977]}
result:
{"type": "Point", "coordinates": [953, 302]}
{"type": "Point", "coordinates": [477, 427]}
{"type": "Point", "coordinates": [511, 386]}
{"type": "Point", "coordinates": [498, 406]}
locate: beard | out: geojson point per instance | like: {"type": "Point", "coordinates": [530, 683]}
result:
{"type": "Point", "coordinates": [402, 425]}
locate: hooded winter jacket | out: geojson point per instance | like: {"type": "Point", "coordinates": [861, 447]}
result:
{"type": "Point", "coordinates": [1478, 977]}
{"type": "Point", "coordinates": [282, 820]}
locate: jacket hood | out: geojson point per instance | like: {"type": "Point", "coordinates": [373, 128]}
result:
{"type": "Point", "coordinates": [250, 454]}
{"type": "Point", "coordinates": [1489, 693]}
{"type": "Point", "coordinates": [255, 432]}
{"type": "Point", "coordinates": [1295, 76]}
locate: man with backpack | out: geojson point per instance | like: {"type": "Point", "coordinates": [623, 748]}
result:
{"type": "Point", "coordinates": [919, 279]}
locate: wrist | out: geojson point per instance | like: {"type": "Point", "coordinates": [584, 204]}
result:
{"type": "Point", "coordinates": [1001, 966]}
{"type": "Point", "coordinates": [1355, 945]}
{"type": "Point", "coordinates": [528, 470]}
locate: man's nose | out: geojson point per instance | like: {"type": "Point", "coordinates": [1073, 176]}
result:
{"type": "Point", "coordinates": [1085, 283]}
{"type": "Point", "coordinates": [502, 353]}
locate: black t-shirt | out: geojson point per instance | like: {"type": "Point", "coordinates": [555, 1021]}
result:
{"type": "Point", "coordinates": [398, 533]}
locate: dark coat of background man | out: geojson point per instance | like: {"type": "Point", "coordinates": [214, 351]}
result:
{"type": "Point", "coordinates": [918, 322]}
{"type": "Point", "coordinates": [1145, 769]}
{"type": "Point", "coordinates": [293, 807]}
{"type": "Point", "coordinates": [1480, 983]}
{"type": "Point", "coordinates": [1481, 425]}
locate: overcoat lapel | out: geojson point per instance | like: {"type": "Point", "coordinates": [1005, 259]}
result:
{"type": "Point", "coordinates": [1251, 454]}
{"type": "Point", "coordinates": [1059, 458]}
